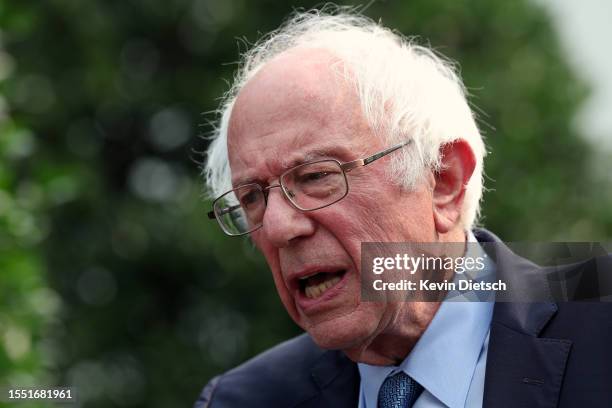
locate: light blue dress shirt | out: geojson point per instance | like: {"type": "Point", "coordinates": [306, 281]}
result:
{"type": "Point", "coordinates": [450, 357]}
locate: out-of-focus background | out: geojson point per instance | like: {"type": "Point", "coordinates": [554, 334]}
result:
{"type": "Point", "coordinates": [113, 281]}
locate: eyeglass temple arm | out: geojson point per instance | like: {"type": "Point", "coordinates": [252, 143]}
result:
{"type": "Point", "coordinates": [364, 162]}
{"type": "Point", "coordinates": [212, 215]}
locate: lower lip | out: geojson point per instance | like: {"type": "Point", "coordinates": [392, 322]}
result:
{"type": "Point", "coordinates": [307, 304]}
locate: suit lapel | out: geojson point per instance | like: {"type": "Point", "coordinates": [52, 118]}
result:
{"type": "Point", "coordinates": [337, 380]}
{"type": "Point", "coordinates": [523, 369]}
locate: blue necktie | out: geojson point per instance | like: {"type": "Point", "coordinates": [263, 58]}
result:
{"type": "Point", "coordinates": [398, 391]}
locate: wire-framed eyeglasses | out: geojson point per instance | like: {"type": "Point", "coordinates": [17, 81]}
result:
{"type": "Point", "coordinates": [308, 187]}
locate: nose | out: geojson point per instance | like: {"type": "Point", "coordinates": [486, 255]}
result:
{"type": "Point", "coordinates": [283, 223]}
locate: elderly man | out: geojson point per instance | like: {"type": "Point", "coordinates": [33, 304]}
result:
{"type": "Point", "coordinates": [336, 132]}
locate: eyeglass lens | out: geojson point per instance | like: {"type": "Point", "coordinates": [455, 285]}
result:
{"type": "Point", "coordinates": [308, 187]}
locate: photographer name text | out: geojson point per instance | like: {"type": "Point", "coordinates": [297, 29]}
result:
{"type": "Point", "coordinates": [428, 285]}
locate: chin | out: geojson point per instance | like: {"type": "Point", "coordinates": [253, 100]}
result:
{"type": "Point", "coordinates": [340, 334]}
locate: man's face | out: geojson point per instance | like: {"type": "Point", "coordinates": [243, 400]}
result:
{"type": "Point", "coordinates": [296, 110]}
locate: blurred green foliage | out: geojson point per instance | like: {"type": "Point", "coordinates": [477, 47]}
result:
{"type": "Point", "coordinates": [111, 278]}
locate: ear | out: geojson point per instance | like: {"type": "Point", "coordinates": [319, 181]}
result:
{"type": "Point", "coordinates": [458, 164]}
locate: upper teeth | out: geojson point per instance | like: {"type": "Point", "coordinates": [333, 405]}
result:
{"type": "Point", "coordinates": [307, 276]}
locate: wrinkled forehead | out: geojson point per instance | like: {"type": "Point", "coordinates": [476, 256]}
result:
{"type": "Point", "coordinates": [296, 107]}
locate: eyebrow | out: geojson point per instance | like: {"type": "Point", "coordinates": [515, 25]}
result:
{"type": "Point", "coordinates": [310, 155]}
{"type": "Point", "coordinates": [315, 153]}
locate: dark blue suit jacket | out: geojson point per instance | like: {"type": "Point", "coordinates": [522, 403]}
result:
{"type": "Point", "coordinates": [540, 355]}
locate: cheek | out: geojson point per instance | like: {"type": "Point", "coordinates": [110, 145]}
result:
{"type": "Point", "coordinates": [365, 218]}
{"type": "Point", "coordinates": [401, 215]}
{"type": "Point", "coordinates": [272, 259]}
{"type": "Point", "coordinates": [285, 297]}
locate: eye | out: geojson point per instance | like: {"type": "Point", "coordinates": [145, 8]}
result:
{"type": "Point", "coordinates": [249, 198]}
{"type": "Point", "coordinates": [313, 176]}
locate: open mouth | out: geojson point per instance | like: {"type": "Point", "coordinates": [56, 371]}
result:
{"type": "Point", "coordinates": [315, 285]}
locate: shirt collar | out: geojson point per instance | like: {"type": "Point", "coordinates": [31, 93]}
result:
{"type": "Point", "coordinates": [444, 358]}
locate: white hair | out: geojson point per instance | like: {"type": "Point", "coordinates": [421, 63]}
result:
{"type": "Point", "coordinates": [405, 90]}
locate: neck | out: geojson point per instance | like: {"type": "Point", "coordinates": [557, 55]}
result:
{"type": "Point", "coordinates": [393, 345]}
